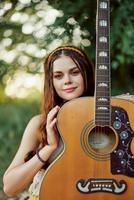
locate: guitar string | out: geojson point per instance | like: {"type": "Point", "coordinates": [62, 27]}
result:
{"type": "Point", "coordinates": [105, 33]}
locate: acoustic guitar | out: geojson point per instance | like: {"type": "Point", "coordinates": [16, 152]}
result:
{"type": "Point", "coordinates": [97, 161]}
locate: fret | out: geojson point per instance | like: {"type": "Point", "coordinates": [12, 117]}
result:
{"type": "Point", "coordinates": [103, 49]}
{"type": "Point", "coordinates": [101, 73]}
{"type": "Point", "coordinates": [108, 120]}
{"type": "Point", "coordinates": [103, 104]}
{"type": "Point", "coordinates": [105, 79]}
{"type": "Point", "coordinates": [105, 114]}
{"type": "Point", "coordinates": [101, 63]}
{"type": "Point", "coordinates": [102, 94]}
{"type": "Point", "coordinates": [102, 77]}
{"type": "Point", "coordinates": [103, 82]}
{"type": "Point", "coordinates": [101, 90]}
{"type": "Point", "coordinates": [103, 60]}
{"type": "Point", "coordinates": [103, 123]}
{"type": "Point", "coordinates": [98, 96]}
{"type": "Point", "coordinates": [103, 118]}
{"type": "Point", "coordinates": [103, 15]}
{"type": "Point", "coordinates": [103, 32]}
{"type": "Point", "coordinates": [103, 46]}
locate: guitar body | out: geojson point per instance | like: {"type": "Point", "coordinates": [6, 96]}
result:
{"type": "Point", "coordinates": [83, 171]}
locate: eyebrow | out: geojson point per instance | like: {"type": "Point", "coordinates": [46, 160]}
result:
{"type": "Point", "coordinates": [71, 69]}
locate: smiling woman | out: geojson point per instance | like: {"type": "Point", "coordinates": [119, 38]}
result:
{"type": "Point", "coordinates": [67, 78]}
{"type": "Point", "coordinates": [68, 75]}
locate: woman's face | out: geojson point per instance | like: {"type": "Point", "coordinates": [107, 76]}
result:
{"type": "Point", "coordinates": [67, 79]}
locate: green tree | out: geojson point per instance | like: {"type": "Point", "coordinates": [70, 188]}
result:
{"type": "Point", "coordinates": [72, 22]}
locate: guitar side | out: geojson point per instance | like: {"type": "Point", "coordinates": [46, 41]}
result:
{"type": "Point", "coordinates": [61, 177]}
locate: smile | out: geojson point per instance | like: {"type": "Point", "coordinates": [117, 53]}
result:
{"type": "Point", "coordinates": [69, 90]}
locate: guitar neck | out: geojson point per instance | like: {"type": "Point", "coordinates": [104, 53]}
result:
{"type": "Point", "coordinates": [103, 79]}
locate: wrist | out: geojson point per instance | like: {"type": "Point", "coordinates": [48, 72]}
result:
{"type": "Point", "coordinates": [51, 148]}
{"type": "Point", "coordinates": [45, 153]}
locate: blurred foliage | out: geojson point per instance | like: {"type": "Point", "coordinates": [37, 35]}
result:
{"type": "Point", "coordinates": [14, 117]}
{"type": "Point", "coordinates": [122, 34]}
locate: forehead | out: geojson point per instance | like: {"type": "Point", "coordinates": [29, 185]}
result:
{"type": "Point", "coordinates": [63, 63]}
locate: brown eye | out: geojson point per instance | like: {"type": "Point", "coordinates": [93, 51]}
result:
{"type": "Point", "coordinates": [57, 76]}
{"type": "Point", "coordinates": [75, 72]}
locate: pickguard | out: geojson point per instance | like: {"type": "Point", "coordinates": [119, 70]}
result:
{"type": "Point", "coordinates": [122, 159]}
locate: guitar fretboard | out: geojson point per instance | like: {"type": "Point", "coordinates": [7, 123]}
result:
{"type": "Point", "coordinates": [103, 84]}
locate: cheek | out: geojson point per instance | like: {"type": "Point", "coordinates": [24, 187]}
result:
{"type": "Point", "coordinates": [81, 82]}
{"type": "Point", "coordinates": [56, 85]}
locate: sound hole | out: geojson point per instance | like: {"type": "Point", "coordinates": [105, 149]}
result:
{"type": "Point", "coordinates": [102, 140]}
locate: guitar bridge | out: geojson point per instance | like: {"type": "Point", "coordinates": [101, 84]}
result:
{"type": "Point", "coordinates": [101, 185]}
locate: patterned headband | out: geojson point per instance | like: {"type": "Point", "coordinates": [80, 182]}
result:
{"type": "Point", "coordinates": [65, 48]}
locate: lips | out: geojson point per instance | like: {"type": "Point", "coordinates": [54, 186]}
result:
{"type": "Point", "coordinates": [69, 90]}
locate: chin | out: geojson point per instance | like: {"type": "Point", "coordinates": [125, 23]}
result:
{"type": "Point", "coordinates": [71, 97]}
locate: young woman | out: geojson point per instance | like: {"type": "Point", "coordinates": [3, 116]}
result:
{"type": "Point", "coordinates": [68, 75]}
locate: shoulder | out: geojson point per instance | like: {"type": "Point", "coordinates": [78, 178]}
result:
{"type": "Point", "coordinates": [36, 120]}
{"type": "Point", "coordinates": [33, 126]}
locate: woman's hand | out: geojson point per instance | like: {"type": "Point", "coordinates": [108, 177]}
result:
{"type": "Point", "coordinates": [52, 136]}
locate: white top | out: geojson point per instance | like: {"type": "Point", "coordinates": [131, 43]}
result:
{"type": "Point", "coordinates": [36, 184]}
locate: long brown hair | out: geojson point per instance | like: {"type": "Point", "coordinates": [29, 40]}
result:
{"type": "Point", "coordinates": [50, 98]}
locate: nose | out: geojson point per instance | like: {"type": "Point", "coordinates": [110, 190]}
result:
{"type": "Point", "coordinates": [67, 79]}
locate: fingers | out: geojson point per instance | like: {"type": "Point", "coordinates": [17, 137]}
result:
{"type": "Point", "coordinates": [51, 118]}
{"type": "Point", "coordinates": [52, 137]}
{"type": "Point", "coordinates": [52, 113]}
{"type": "Point", "coordinates": [53, 122]}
